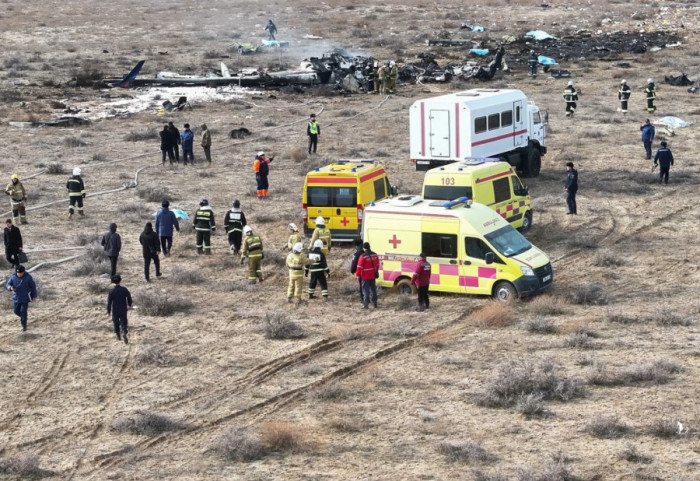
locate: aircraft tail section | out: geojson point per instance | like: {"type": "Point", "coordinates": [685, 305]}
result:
{"type": "Point", "coordinates": [128, 80]}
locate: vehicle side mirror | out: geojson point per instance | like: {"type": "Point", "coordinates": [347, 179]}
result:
{"type": "Point", "coordinates": [393, 190]}
{"type": "Point", "coordinates": [489, 258]}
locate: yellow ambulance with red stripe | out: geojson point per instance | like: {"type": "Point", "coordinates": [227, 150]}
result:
{"type": "Point", "coordinates": [472, 249]}
{"type": "Point", "coordinates": [339, 193]}
{"type": "Point", "coordinates": [486, 181]}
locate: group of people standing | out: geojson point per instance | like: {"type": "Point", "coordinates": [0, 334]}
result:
{"type": "Point", "coordinates": [381, 78]}
{"type": "Point", "coordinates": [623, 95]}
{"type": "Point", "coordinates": [171, 140]}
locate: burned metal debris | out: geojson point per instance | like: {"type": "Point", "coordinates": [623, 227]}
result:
{"type": "Point", "coordinates": [680, 81]}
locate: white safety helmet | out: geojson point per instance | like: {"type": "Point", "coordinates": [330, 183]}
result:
{"type": "Point", "coordinates": [571, 83]}
{"type": "Point", "coordinates": [623, 81]}
{"type": "Point", "coordinates": [76, 171]}
{"type": "Point", "coordinates": [261, 153]}
{"type": "Point", "coordinates": [318, 243]}
{"type": "Point", "coordinates": [392, 63]}
{"type": "Point", "coordinates": [247, 230]}
{"type": "Point", "coordinates": [650, 80]}
{"type": "Point", "coordinates": [298, 247]}
{"type": "Point", "coordinates": [376, 64]}
{"type": "Point", "coordinates": [320, 220]}
{"type": "Point", "coordinates": [293, 226]}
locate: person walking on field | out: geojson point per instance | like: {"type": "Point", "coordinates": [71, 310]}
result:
{"type": "Point", "coordinates": [571, 188]}
{"type": "Point", "coordinates": [421, 279]}
{"type": "Point", "coordinates": [18, 198]}
{"type": "Point", "coordinates": [648, 134]}
{"type": "Point", "coordinates": [253, 251]}
{"type": "Point", "coordinates": [271, 29]}
{"type": "Point", "coordinates": [570, 97]}
{"type": "Point", "coordinates": [24, 291]}
{"type": "Point", "coordinates": [313, 130]}
{"type": "Point", "coordinates": [13, 243]}
{"type": "Point", "coordinates": [623, 95]}
{"type": "Point", "coordinates": [151, 247]}
{"type": "Point", "coordinates": [166, 220]}
{"type": "Point", "coordinates": [296, 262]}
{"type": "Point", "coordinates": [206, 142]}
{"type": "Point", "coordinates": [112, 244]}
{"type": "Point", "coordinates": [187, 137]}
{"type": "Point", "coordinates": [532, 63]}
{"type": "Point", "coordinates": [322, 232]}
{"type": "Point", "coordinates": [664, 159]}
{"type": "Point", "coordinates": [204, 224]}
{"type": "Point", "coordinates": [368, 271]}
{"type": "Point", "coordinates": [294, 236]}
{"type": "Point", "coordinates": [355, 259]}
{"type": "Point", "coordinates": [650, 94]}
{"type": "Point", "coordinates": [261, 167]}
{"type": "Point", "coordinates": [318, 267]}
{"type": "Point", "coordinates": [234, 222]}
{"type": "Point", "coordinates": [175, 140]}
{"type": "Point", "coordinates": [76, 193]}
{"type": "Point", "coordinates": [166, 144]}
{"type": "Point", "coordinates": [118, 303]}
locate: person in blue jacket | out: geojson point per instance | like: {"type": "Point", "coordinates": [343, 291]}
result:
{"type": "Point", "coordinates": [165, 221]}
{"type": "Point", "coordinates": [648, 133]}
{"type": "Point", "coordinates": [187, 144]}
{"type": "Point", "coordinates": [118, 302]}
{"type": "Point", "coordinates": [23, 290]}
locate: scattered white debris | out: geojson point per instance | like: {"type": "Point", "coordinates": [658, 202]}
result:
{"type": "Point", "coordinates": [673, 122]}
{"type": "Point", "coordinates": [539, 35]}
{"type": "Point", "coordinates": [312, 37]}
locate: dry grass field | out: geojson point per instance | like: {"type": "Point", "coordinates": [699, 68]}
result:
{"type": "Point", "coordinates": [222, 380]}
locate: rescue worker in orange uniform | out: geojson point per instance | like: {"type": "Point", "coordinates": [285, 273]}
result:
{"type": "Point", "coordinates": [261, 167]}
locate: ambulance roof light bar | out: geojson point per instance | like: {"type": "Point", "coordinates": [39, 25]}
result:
{"type": "Point", "coordinates": [466, 201]}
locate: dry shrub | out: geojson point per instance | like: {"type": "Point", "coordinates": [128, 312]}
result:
{"type": "Point", "coordinates": [607, 258]}
{"type": "Point", "coordinates": [347, 424]}
{"type": "Point", "coordinates": [239, 445]}
{"type": "Point", "coordinates": [265, 218]}
{"type": "Point", "coordinates": [591, 294]}
{"type": "Point", "coordinates": [466, 452]}
{"type": "Point", "coordinates": [553, 469]}
{"type": "Point", "coordinates": [84, 239]}
{"type": "Point", "coordinates": [515, 379]}
{"type": "Point", "coordinates": [547, 305]}
{"type": "Point", "coordinates": [154, 355]}
{"type": "Point", "coordinates": [186, 277]}
{"type": "Point", "coordinates": [580, 340]}
{"type": "Point", "coordinates": [331, 391]}
{"type": "Point", "coordinates": [277, 325]}
{"type": "Point", "coordinates": [492, 476]}
{"type": "Point", "coordinates": [155, 194]}
{"type": "Point", "coordinates": [146, 423]}
{"type": "Point", "coordinates": [665, 317]}
{"type": "Point", "coordinates": [541, 325]}
{"type": "Point", "coordinates": [658, 372]}
{"type": "Point", "coordinates": [665, 428]}
{"type": "Point", "coordinates": [532, 405]}
{"type": "Point", "coordinates": [55, 169]}
{"type": "Point", "coordinates": [631, 454]}
{"type": "Point", "coordinates": [297, 155]}
{"type": "Point", "coordinates": [607, 427]}
{"type": "Point", "coordinates": [162, 304]}
{"type": "Point", "coordinates": [351, 333]}
{"type": "Point", "coordinates": [74, 142]}
{"type": "Point", "coordinates": [285, 437]}
{"type": "Point", "coordinates": [275, 258]}
{"type": "Point", "coordinates": [87, 266]}
{"type": "Point", "coordinates": [405, 302]}
{"type": "Point", "coordinates": [22, 465]}
{"type": "Point", "coordinates": [94, 286]}
{"type": "Point", "coordinates": [495, 314]}
{"type": "Point", "coordinates": [402, 330]}
{"type": "Point", "coordinates": [140, 135]}
{"type": "Point", "coordinates": [239, 285]}
{"type": "Point", "coordinates": [619, 317]}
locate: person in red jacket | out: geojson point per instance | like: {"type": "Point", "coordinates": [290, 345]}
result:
{"type": "Point", "coordinates": [421, 279]}
{"type": "Point", "coordinates": [368, 271]}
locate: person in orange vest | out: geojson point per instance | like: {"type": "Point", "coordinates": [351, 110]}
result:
{"type": "Point", "coordinates": [261, 168]}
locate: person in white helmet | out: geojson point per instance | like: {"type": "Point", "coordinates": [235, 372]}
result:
{"type": "Point", "coordinates": [18, 198]}
{"type": "Point", "coordinates": [76, 193]}
{"type": "Point", "coordinates": [294, 236]}
{"type": "Point", "coordinates": [296, 262]}
{"type": "Point", "coordinates": [375, 77]}
{"type": "Point", "coordinates": [318, 267]}
{"type": "Point", "coordinates": [253, 251]}
{"type": "Point", "coordinates": [205, 225]}
{"type": "Point", "coordinates": [623, 95]}
{"type": "Point", "coordinates": [261, 167]}
{"type": "Point", "coordinates": [650, 94]}
{"type": "Point", "coordinates": [392, 76]}
{"type": "Point", "coordinates": [322, 232]}
{"type": "Point", "coordinates": [570, 97]}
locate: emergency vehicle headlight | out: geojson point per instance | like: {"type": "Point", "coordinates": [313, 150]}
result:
{"type": "Point", "coordinates": [527, 271]}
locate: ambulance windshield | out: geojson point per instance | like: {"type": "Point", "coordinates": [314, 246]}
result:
{"type": "Point", "coordinates": [508, 241]}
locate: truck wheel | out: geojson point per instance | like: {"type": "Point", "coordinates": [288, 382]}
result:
{"type": "Point", "coordinates": [504, 291]}
{"type": "Point", "coordinates": [527, 221]}
{"type": "Point", "coordinates": [404, 286]}
{"type": "Point", "coordinates": [533, 163]}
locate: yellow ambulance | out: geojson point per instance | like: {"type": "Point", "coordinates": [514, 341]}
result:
{"type": "Point", "coordinates": [472, 249]}
{"type": "Point", "coordinates": [339, 193]}
{"type": "Point", "coordinates": [486, 181]}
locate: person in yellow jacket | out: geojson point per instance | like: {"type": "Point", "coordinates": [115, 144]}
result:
{"type": "Point", "coordinates": [294, 236]}
{"type": "Point", "coordinates": [392, 76]}
{"type": "Point", "coordinates": [382, 73]}
{"type": "Point", "coordinates": [322, 232]}
{"type": "Point", "coordinates": [296, 262]}
{"type": "Point", "coordinates": [18, 196]}
{"type": "Point", "coordinates": [253, 251]}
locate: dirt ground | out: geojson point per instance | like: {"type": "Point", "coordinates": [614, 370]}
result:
{"type": "Point", "coordinates": [381, 395]}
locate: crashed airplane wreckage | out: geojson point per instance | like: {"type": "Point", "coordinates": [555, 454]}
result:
{"type": "Point", "coordinates": [335, 67]}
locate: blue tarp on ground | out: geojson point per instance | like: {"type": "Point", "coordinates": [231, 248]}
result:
{"type": "Point", "coordinates": [539, 35]}
{"type": "Point", "coordinates": [479, 51]}
{"type": "Point", "coordinates": [546, 60]}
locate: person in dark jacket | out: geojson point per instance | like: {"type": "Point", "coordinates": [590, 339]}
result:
{"type": "Point", "coordinates": [648, 134]}
{"type": "Point", "coordinates": [571, 187]}
{"type": "Point", "coordinates": [204, 224]}
{"type": "Point", "coordinates": [570, 97]}
{"type": "Point", "coordinates": [118, 302]}
{"type": "Point", "coordinates": [187, 137]}
{"type": "Point", "coordinates": [353, 265]}
{"type": "Point", "coordinates": [664, 159]}
{"type": "Point", "coordinates": [151, 247]}
{"type": "Point", "coordinates": [368, 270]}
{"type": "Point", "coordinates": [112, 244]}
{"type": "Point", "coordinates": [166, 144]}
{"type": "Point", "coordinates": [532, 63]}
{"type": "Point", "coordinates": [23, 290]}
{"type": "Point", "coordinates": [318, 267]}
{"type": "Point", "coordinates": [313, 131]}
{"type": "Point", "coordinates": [650, 95]}
{"type": "Point", "coordinates": [166, 220]}
{"type": "Point", "coordinates": [175, 140]}
{"type": "Point", "coordinates": [623, 95]}
{"type": "Point", "coordinates": [421, 279]}
{"type": "Point", "coordinates": [13, 243]}
{"type": "Point", "coordinates": [261, 167]}
{"type": "Point", "coordinates": [234, 222]}
{"type": "Point", "coordinates": [76, 192]}
{"type": "Point", "coordinates": [271, 28]}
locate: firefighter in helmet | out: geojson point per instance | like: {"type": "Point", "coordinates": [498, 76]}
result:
{"type": "Point", "coordinates": [296, 262]}
{"type": "Point", "coordinates": [253, 251]}
{"type": "Point", "coordinates": [322, 232]}
{"type": "Point", "coordinates": [294, 236]}
{"type": "Point", "coordinates": [18, 197]}
{"type": "Point", "coordinates": [204, 224]}
{"type": "Point", "coordinates": [319, 270]}
{"type": "Point", "coordinates": [234, 221]}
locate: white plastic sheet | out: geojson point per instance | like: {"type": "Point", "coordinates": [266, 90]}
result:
{"type": "Point", "coordinates": [539, 35]}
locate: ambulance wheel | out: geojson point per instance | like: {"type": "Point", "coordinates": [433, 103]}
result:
{"type": "Point", "coordinates": [533, 163]}
{"type": "Point", "coordinates": [504, 291]}
{"type": "Point", "coordinates": [405, 287]}
{"type": "Point", "coordinates": [527, 221]}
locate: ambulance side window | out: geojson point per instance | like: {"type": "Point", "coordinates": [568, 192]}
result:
{"type": "Point", "coordinates": [477, 249]}
{"type": "Point", "coordinates": [501, 190]}
{"type": "Point", "coordinates": [439, 245]}
{"type": "Point", "coordinates": [379, 189]}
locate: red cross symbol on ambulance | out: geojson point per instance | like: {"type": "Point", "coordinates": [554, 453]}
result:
{"type": "Point", "coordinates": [345, 221]}
{"type": "Point", "coordinates": [395, 242]}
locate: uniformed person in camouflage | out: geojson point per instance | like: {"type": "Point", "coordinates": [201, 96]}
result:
{"type": "Point", "coordinates": [322, 232]}
{"type": "Point", "coordinates": [253, 251]}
